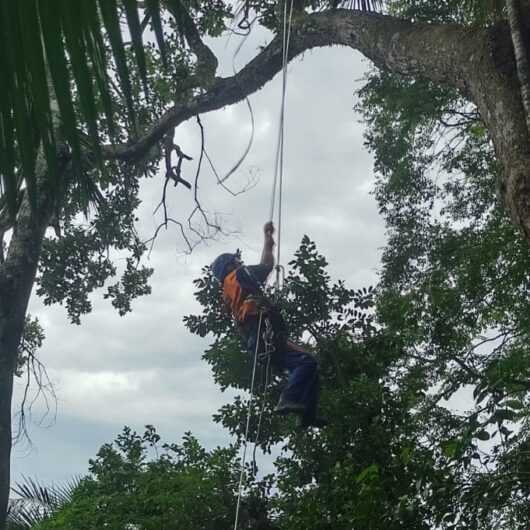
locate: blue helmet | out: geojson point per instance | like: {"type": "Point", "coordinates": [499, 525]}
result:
{"type": "Point", "coordinates": [221, 264]}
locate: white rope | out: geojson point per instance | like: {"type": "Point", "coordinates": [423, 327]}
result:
{"type": "Point", "coordinates": [243, 460]}
{"type": "Point", "coordinates": [263, 403]}
{"type": "Point", "coordinates": [280, 144]}
{"type": "Point", "coordinates": [277, 183]}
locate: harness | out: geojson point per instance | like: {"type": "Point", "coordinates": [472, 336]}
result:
{"type": "Point", "coordinates": [245, 299]}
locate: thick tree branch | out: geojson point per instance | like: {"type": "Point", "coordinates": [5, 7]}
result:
{"type": "Point", "coordinates": [392, 43]}
{"type": "Point", "coordinates": [206, 59]}
{"type": "Point", "coordinates": [462, 57]}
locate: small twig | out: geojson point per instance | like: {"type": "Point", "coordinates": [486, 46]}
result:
{"type": "Point", "coordinates": [36, 371]}
{"type": "Point", "coordinates": [164, 225]}
{"type": "Point", "coordinates": [198, 206]}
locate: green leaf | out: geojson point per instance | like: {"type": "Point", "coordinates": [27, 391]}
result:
{"type": "Point", "coordinates": [513, 404]}
{"type": "Point", "coordinates": [369, 473]}
{"type": "Point", "coordinates": [504, 414]}
{"type": "Point", "coordinates": [406, 454]}
{"type": "Point", "coordinates": [450, 448]}
{"type": "Point", "coordinates": [482, 435]}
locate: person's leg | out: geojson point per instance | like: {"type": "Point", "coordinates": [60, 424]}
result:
{"type": "Point", "coordinates": [302, 385]}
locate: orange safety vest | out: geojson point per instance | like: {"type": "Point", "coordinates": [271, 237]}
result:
{"type": "Point", "coordinates": [235, 297]}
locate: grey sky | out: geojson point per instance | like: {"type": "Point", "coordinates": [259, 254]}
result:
{"type": "Point", "coordinates": [145, 367]}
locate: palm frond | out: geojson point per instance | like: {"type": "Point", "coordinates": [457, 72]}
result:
{"type": "Point", "coordinates": [22, 515]}
{"type": "Point", "coordinates": [52, 54]}
{"type": "Point", "coordinates": [36, 502]}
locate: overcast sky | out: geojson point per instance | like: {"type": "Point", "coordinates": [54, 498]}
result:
{"type": "Point", "coordinates": [145, 368]}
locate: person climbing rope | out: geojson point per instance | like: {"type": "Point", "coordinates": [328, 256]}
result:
{"type": "Point", "coordinates": [243, 296]}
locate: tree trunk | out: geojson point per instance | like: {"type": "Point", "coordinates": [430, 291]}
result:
{"type": "Point", "coordinates": [6, 391]}
{"type": "Point", "coordinates": [17, 275]}
{"type": "Point", "coordinates": [520, 53]}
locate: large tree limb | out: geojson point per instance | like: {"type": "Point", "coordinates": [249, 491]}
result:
{"type": "Point", "coordinates": [449, 54]}
{"type": "Point", "coordinates": [393, 43]}
{"type": "Point", "coordinates": [206, 59]}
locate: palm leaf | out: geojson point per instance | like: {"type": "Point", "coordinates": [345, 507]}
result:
{"type": "Point", "coordinates": [363, 5]}
{"type": "Point", "coordinates": [33, 50]}
{"type": "Point", "coordinates": [133, 20]}
{"type": "Point", "coordinates": [77, 50]}
{"type": "Point", "coordinates": [96, 51]}
{"type": "Point", "coordinates": [36, 502]}
{"type": "Point", "coordinates": [47, 48]}
{"type": "Point", "coordinates": [18, 89]}
{"type": "Point", "coordinates": [22, 515]}
{"type": "Point", "coordinates": [109, 13]}
{"type": "Point", "coordinates": [8, 181]}
{"type": "Point", "coordinates": [153, 9]}
{"type": "Point", "coordinates": [51, 32]}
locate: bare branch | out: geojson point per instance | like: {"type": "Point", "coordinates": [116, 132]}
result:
{"type": "Point", "coordinates": [401, 48]}
{"type": "Point", "coordinates": [36, 374]}
{"type": "Point", "coordinates": [164, 224]}
{"type": "Point", "coordinates": [198, 207]}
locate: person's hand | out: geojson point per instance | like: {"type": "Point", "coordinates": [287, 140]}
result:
{"type": "Point", "coordinates": [268, 229]}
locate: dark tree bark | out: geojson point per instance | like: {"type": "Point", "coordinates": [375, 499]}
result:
{"type": "Point", "coordinates": [17, 275]}
{"type": "Point", "coordinates": [480, 63]}
{"type": "Point", "coordinates": [517, 31]}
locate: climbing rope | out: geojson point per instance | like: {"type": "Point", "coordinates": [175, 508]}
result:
{"type": "Point", "coordinates": [243, 460]}
{"type": "Point", "coordinates": [262, 410]}
{"type": "Point", "coordinates": [280, 143]}
{"type": "Point", "coordinates": [277, 185]}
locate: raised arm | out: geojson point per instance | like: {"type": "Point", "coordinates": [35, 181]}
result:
{"type": "Point", "coordinates": [267, 256]}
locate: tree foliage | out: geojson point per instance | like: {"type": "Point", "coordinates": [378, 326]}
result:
{"type": "Point", "coordinates": [396, 455]}
{"type": "Point", "coordinates": [425, 378]}
{"type": "Point", "coordinates": [454, 284]}
{"type": "Point", "coordinates": [138, 481]}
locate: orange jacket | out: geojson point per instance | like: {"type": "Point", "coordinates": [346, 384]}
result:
{"type": "Point", "coordinates": [235, 297]}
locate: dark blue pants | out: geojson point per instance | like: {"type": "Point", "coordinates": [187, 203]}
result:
{"type": "Point", "coordinates": [303, 384]}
